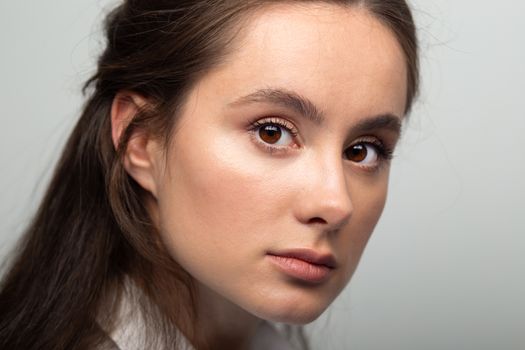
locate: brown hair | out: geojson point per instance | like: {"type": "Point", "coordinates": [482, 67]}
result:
{"type": "Point", "coordinates": [92, 232]}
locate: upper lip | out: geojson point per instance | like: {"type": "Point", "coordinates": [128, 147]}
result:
{"type": "Point", "coordinates": [309, 255]}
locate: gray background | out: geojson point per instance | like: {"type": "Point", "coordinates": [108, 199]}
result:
{"type": "Point", "coordinates": [445, 267]}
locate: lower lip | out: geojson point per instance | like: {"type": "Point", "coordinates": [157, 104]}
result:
{"type": "Point", "coordinates": [300, 269]}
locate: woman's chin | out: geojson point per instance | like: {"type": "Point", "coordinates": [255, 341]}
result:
{"type": "Point", "coordinates": [297, 317]}
{"type": "Point", "coordinates": [297, 312]}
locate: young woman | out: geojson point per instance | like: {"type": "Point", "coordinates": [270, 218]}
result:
{"type": "Point", "coordinates": [227, 171]}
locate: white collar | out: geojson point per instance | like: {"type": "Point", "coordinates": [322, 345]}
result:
{"type": "Point", "coordinates": [130, 332]}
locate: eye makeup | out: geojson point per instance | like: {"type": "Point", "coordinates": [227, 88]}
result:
{"type": "Point", "coordinates": [367, 152]}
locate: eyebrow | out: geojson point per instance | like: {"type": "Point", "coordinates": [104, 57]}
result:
{"type": "Point", "coordinates": [287, 99]}
{"type": "Point", "coordinates": [384, 121]}
{"type": "Point", "coordinates": [308, 109]}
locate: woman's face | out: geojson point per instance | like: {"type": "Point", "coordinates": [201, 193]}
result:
{"type": "Point", "coordinates": [278, 168]}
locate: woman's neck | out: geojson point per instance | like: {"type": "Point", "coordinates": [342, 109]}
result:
{"type": "Point", "coordinates": [215, 323]}
{"type": "Point", "coordinates": [223, 324]}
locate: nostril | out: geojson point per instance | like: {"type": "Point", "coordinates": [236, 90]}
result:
{"type": "Point", "coordinates": [317, 220]}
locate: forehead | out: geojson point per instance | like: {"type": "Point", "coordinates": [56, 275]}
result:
{"type": "Point", "coordinates": [342, 58]}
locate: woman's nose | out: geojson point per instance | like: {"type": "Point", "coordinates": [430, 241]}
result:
{"type": "Point", "coordinates": [324, 196]}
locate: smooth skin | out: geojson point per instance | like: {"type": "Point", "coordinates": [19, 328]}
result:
{"type": "Point", "coordinates": [229, 192]}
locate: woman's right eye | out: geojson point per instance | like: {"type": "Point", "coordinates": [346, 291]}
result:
{"type": "Point", "coordinates": [274, 133]}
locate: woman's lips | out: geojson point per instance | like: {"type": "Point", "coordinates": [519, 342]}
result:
{"type": "Point", "coordinates": [304, 264]}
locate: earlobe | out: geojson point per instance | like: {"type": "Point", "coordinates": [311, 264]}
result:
{"type": "Point", "coordinates": [139, 157]}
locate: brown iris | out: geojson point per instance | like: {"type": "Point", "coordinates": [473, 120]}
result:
{"type": "Point", "coordinates": [357, 153]}
{"type": "Point", "coordinates": [270, 133]}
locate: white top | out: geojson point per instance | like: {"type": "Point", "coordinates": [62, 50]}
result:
{"type": "Point", "coordinates": [267, 337]}
{"type": "Point", "coordinates": [129, 334]}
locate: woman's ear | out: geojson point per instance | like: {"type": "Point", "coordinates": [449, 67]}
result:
{"type": "Point", "coordinates": [142, 151]}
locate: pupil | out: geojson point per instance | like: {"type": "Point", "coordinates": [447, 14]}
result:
{"type": "Point", "coordinates": [270, 133]}
{"type": "Point", "coordinates": [357, 153]}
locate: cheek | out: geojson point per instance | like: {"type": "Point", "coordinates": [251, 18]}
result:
{"type": "Point", "coordinates": [217, 202]}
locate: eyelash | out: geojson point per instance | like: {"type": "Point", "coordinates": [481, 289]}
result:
{"type": "Point", "coordinates": [275, 121]}
{"type": "Point", "coordinates": [384, 153]}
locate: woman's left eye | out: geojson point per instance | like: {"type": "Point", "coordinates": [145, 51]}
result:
{"type": "Point", "coordinates": [362, 153]}
{"type": "Point", "coordinates": [367, 154]}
